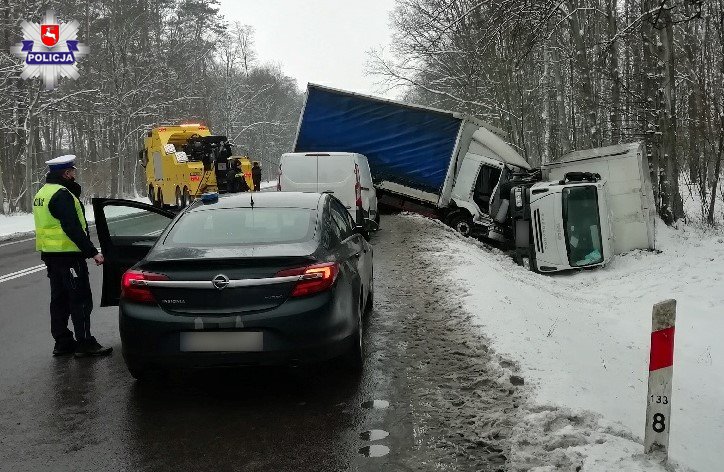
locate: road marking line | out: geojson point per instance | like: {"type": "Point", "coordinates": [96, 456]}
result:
{"type": "Point", "coordinates": [21, 273]}
{"type": "Point", "coordinates": [16, 242]}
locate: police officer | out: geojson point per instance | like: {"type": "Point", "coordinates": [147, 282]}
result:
{"type": "Point", "coordinates": [256, 176]}
{"type": "Point", "coordinates": [62, 238]}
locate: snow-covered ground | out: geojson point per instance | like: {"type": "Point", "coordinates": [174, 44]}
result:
{"type": "Point", "coordinates": [582, 341]}
{"type": "Point", "coordinates": [23, 223]}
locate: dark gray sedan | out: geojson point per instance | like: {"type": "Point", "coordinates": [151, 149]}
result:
{"type": "Point", "coordinates": [244, 279]}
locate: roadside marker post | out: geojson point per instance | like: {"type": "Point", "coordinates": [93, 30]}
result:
{"type": "Point", "coordinates": [661, 368]}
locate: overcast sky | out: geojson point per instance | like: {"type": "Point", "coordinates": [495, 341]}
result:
{"type": "Point", "coordinates": [319, 41]}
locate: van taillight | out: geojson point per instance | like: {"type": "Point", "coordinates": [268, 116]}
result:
{"type": "Point", "coordinates": [134, 288]}
{"type": "Point", "coordinates": [314, 278]}
{"type": "Point", "coordinates": [357, 187]}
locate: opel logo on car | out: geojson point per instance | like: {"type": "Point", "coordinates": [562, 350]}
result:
{"type": "Point", "coordinates": [220, 281]}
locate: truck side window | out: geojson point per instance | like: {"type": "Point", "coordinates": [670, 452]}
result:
{"type": "Point", "coordinates": [485, 184]}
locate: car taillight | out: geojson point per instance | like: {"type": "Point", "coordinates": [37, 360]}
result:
{"type": "Point", "coordinates": [357, 187]}
{"type": "Point", "coordinates": [134, 288]}
{"type": "Point", "coordinates": [314, 278]}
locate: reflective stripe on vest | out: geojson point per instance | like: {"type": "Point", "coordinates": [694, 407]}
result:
{"type": "Point", "coordinates": [49, 235]}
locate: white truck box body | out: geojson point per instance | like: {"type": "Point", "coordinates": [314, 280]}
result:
{"type": "Point", "coordinates": [625, 168]}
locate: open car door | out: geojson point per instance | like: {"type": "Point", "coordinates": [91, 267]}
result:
{"type": "Point", "coordinates": [126, 232]}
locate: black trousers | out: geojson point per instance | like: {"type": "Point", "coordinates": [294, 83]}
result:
{"type": "Point", "coordinates": [70, 297]}
{"type": "Point", "coordinates": [256, 185]}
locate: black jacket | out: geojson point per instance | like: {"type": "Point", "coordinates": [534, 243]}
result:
{"type": "Point", "coordinates": [62, 207]}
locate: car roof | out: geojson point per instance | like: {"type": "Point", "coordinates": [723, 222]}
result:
{"type": "Point", "coordinates": [304, 200]}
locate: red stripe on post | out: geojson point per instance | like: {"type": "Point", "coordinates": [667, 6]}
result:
{"type": "Point", "coordinates": [662, 349]}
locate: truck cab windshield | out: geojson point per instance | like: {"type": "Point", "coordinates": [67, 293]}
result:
{"type": "Point", "coordinates": [582, 225]}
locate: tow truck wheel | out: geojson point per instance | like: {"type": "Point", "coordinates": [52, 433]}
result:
{"type": "Point", "coordinates": [151, 195]}
{"type": "Point", "coordinates": [461, 222]}
{"type": "Point", "coordinates": [178, 198]}
{"type": "Point", "coordinates": [185, 197]}
{"type": "Point", "coordinates": [159, 199]}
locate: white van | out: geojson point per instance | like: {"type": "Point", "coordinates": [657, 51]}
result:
{"type": "Point", "coordinates": [346, 175]}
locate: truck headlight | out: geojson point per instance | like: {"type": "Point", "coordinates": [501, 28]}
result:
{"type": "Point", "coordinates": [518, 197]}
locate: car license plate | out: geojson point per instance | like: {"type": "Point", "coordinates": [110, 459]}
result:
{"type": "Point", "coordinates": [218, 341]}
{"type": "Point", "coordinates": [221, 166]}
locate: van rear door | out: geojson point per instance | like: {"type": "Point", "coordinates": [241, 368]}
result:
{"type": "Point", "coordinates": [299, 173]}
{"type": "Point", "coordinates": [335, 174]}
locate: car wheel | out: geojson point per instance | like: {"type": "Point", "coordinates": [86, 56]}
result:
{"type": "Point", "coordinates": [461, 222]}
{"type": "Point", "coordinates": [354, 358]}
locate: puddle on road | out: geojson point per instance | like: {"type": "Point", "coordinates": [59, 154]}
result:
{"type": "Point", "coordinates": [374, 450]}
{"type": "Point", "coordinates": [376, 404]}
{"type": "Point", "coordinates": [373, 435]}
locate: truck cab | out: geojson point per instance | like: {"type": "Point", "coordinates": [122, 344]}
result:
{"type": "Point", "coordinates": [570, 224]}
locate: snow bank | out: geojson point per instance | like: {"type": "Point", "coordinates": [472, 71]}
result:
{"type": "Point", "coordinates": [23, 224]}
{"type": "Point", "coordinates": [582, 339]}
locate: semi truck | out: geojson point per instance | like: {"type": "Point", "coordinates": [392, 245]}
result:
{"type": "Point", "coordinates": [461, 170]}
{"type": "Point", "coordinates": [186, 160]}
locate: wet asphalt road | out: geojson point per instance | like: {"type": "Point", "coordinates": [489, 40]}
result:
{"type": "Point", "coordinates": [430, 397]}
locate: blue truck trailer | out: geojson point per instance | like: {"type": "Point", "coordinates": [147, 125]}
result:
{"type": "Point", "coordinates": [594, 204]}
{"type": "Point", "coordinates": [422, 159]}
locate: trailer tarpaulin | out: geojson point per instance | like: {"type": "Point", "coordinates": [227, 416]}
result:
{"type": "Point", "coordinates": [405, 145]}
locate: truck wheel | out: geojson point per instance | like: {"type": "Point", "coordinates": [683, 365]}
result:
{"type": "Point", "coordinates": [178, 198]}
{"type": "Point", "coordinates": [185, 197]}
{"type": "Point", "coordinates": [159, 199]}
{"type": "Point", "coordinates": [461, 222]}
{"type": "Point", "coordinates": [151, 195]}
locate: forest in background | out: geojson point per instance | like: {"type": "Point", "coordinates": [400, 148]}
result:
{"type": "Point", "coordinates": [150, 62]}
{"type": "Point", "coordinates": [556, 75]}
{"type": "Point", "coordinates": [561, 75]}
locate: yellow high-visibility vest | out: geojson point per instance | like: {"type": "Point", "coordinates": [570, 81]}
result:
{"type": "Point", "coordinates": [49, 235]}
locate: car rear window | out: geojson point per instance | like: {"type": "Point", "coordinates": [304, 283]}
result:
{"type": "Point", "coordinates": [235, 226]}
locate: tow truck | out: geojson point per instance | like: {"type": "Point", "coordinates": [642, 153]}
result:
{"type": "Point", "coordinates": [184, 161]}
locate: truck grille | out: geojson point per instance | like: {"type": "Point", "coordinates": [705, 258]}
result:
{"type": "Point", "coordinates": [537, 230]}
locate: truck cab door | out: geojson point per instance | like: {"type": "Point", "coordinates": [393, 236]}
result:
{"type": "Point", "coordinates": [127, 230]}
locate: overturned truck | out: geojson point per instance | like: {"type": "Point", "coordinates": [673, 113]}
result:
{"type": "Point", "coordinates": [575, 212]}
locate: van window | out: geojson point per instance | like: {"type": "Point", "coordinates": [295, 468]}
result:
{"type": "Point", "coordinates": [301, 169]}
{"type": "Point", "coordinates": [334, 169]}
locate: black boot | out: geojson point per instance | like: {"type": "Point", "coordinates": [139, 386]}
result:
{"type": "Point", "coordinates": [64, 348]}
{"type": "Point", "coordinates": [91, 348]}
